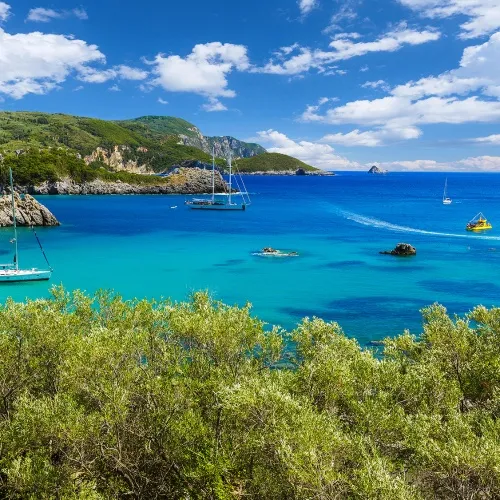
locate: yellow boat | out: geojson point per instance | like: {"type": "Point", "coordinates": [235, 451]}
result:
{"type": "Point", "coordinates": [478, 223]}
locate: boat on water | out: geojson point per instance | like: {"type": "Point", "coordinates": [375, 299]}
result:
{"type": "Point", "coordinates": [11, 272]}
{"type": "Point", "coordinates": [478, 223]}
{"type": "Point", "coordinates": [222, 201]}
{"type": "Point", "coordinates": [273, 252]}
{"type": "Point", "coordinates": [446, 199]}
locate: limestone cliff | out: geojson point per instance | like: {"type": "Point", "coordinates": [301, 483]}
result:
{"type": "Point", "coordinates": [116, 160]}
{"type": "Point", "coordinates": [29, 212]}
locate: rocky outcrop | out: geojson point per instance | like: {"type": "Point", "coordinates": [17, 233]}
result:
{"type": "Point", "coordinates": [183, 181]}
{"type": "Point", "coordinates": [116, 161]}
{"type": "Point", "coordinates": [402, 250]}
{"type": "Point", "coordinates": [376, 170]}
{"type": "Point", "coordinates": [29, 212]}
{"type": "Point", "coordinates": [221, 145]}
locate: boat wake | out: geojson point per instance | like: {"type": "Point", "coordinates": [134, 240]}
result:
{"type": "Point", "coordinates": [380, 224]}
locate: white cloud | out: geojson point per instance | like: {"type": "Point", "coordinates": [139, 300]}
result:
{"type": "Point", "coordinates": [347, 12]}
{"type": "Point", "coordinates": [115, 88]}
{"type": "Point", "coordinates": [318, 155]}
{"type": "Point", "coordinates": [213, 104]}
{"type": "Point", "coordinates": [491, 139]}
{"type": "Point", "coordinates": [77, 89]}
{"type": "Point", "coordinates": [345, 48]}
{"type": "Point", "coordinates": [204, 71]}
{"type": "Point", "coordinates": [36, 63]}
{"type": "Point", "coordinates": [307, 6]}
{"type": "Point", "coordinates": [376, 84]}
{"type": "Point", "coordinates": [372, 138]}
{"type": "Point", "coordinates": [478, 70]}
{"type": "Point", "coordinates": [484, 15]}
{"type": "Point", "coordinates": [93, 75]}
{"type": "Point", "coordinates": [42, 15]}
{"type": "Point", "coordinates": [162, 101]}
{"type": "Point", "coordinates": [4, 11]}
{"type": "Point", "coordinates": [442, 99]}
{"type": "Point", "coordinates": [363, 69]}
{"type": "Point", "coordinates": [472, 164]}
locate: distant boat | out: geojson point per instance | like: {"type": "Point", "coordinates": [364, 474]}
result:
{"type": "Point", "coordinates": [221, 201]}
{"type": "Point", "coordinates": [446, 200]}
{"type": "Point", "coordinates": [11, 272]}
{"type": "Point", "coordinates": [478, 223]}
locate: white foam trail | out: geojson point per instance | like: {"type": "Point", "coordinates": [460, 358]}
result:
{"type": "Point", "coordinates": [372, 222]}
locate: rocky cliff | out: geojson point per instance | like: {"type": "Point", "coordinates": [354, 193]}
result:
{"type": "Point", "coordinates": [115, 159]}
{"type": "Point", "coordinates": [29, 212]}
{"type": "Point", "coordinates": [183, 181]}
{"type": "Point", "coordinates": [222, 145]}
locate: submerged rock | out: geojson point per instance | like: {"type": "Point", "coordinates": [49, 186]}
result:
{"type": "Point", "coordinates": [29, 212]}
{"type": "Point", "coordinates": [402, 250]}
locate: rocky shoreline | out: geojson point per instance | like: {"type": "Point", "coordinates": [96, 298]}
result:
{"type": "Point", "coordinates": [320, 173]}
{"type": "Point", "coordinates": [185, 181]}
{"type": "Point", "coordinates": [29, 212]}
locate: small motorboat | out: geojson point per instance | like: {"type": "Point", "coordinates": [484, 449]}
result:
{"type": "Point", "coordinates": [272, 252]}
{"type": "Point", "coordinates": [478, 223]}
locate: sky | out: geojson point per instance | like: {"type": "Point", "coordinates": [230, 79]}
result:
{"type": "Point", "coordinates": [404, 84]}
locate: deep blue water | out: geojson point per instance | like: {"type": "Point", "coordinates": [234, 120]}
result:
{"type": "Point", "coordinates": [141, 247]}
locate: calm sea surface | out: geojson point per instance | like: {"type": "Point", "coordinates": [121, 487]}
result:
{"type": "Point", "coordinates": [153, 246]}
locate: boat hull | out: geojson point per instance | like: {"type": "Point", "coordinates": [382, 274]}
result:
{"type": "Point", "coordinates": [478, 229]}
{"type": "Point", "coordinates": [218, 207]}
{"type": "Point", "coordinates": [13, 276]}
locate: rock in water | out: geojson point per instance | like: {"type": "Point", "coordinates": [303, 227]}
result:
{"type": "Point", "coordinates": [376, 170]}
{"type": "Point", "coordinates": [402, 250]}
{"type": "Point", "coordinates": [29, 212]}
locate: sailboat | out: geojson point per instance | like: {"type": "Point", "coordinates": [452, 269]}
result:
{"type": "Point", "coordinates": [223, 201]}
{"type": "Point", "coordinates": [446, 200]}
{"type": "Point", "coordinates": [12, 272]}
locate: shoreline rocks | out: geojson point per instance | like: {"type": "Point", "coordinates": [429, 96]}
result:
{"type": "Point", "coordinates": [29, 212]}
{"type": "Point", "coordinates": [402, 250]}
{"type": "Point", "coordinates": [183, 181]}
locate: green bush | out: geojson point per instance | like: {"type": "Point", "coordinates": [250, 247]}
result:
{"type": "Point", "coordinates": [105, 398]}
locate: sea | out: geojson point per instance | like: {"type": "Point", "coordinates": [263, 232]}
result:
{"type": "Point", "coordinates": [156, 247]}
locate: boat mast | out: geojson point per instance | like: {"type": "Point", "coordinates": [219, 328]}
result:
{"type": "Point", "coordinates": [14, 218]}
{"type": "Point", "coordinates": [213, 173]}
{"type": "Point", "coordinates": [230, 180]}
{"type": "Point", "coordinates": [445, 185]}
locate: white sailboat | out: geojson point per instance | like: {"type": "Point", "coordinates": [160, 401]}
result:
{"type": "Point", "coordinates": [11, 272]}
{"type": "Point", "coordinates": [223, 201]}
{"type": "Point", "coordinates": [446, 200]}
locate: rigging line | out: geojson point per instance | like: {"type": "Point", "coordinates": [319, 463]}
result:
{"type": "Point", "coordinates": [41, 248]}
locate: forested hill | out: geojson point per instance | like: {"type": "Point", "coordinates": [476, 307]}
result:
{"type": "Point", "coordinates": [144, 145]}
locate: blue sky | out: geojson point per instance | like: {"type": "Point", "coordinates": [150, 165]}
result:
{"type": "Point", "coordinates": [407, 84]}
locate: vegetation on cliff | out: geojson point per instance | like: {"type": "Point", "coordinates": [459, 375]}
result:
{"type": "Point", "coordinates": [103, 398]}
{"type": "Point", "coordinates": [272, 162]}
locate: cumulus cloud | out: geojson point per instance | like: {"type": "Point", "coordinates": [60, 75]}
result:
{"type": "Point", "coordinates": [379, 84]}
{"type": "Point", "coordinates": [115, 88]}
{"type": "Point", "coordinates": [162, 101]}
{"type": "Point", "coordinates": [472, 164]}
{"type": "Point", "coordinates": [491, 139]}
{"type": "Point", "coordinates": [4, 11]}
{"type": "Point", "coordinates": [345, 46]}
{"type": "Point", "coordinates": [37, 63]}
{"type": "Point", "coordinates": [307, 6]}
{"type": "Point", "coordinates": [214, 104]}
{"type": "Point", "coordinates": [442, 99]}
{"type": "Point", "coordinates": [204, 71]}
{"type": "Point", "coordinates": [484, 15]}
{"type": "Point", "coordinates": [313, 153]}
{"type": "Point", "coordinates": [123, 72]}
{"type": "Point", "coordinates": [43, 15]}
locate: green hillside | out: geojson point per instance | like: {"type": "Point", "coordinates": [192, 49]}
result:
{"type": "Point", "coordinates": [274, 162]}
{"type": "Point", "coordinates": [161, 126]}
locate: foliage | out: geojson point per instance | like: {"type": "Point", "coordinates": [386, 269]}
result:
{"type": "Point", "coordinates": [271, 162]}
{"type": "Point", "coordinates": [104, 398]}
{"type": "Point", "coordinates": [160, 126]}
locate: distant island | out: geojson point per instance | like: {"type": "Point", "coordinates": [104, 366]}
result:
{"type": "Point", "coordinates": [377, 170]}
{"type": "Point", "coordinates": [57, 153]}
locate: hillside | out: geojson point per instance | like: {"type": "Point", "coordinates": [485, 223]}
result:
{"type": "Point", "coordinates": [158, 127]}
{"type": "Point", "coordinates": [272, 162]}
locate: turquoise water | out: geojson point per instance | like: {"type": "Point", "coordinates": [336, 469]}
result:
{"type": "Point", "coordinates": [141, 247]}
